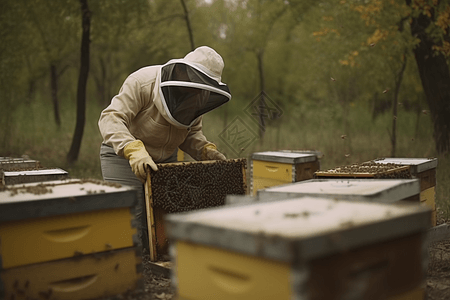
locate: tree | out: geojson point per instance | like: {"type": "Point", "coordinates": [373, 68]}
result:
{"type": "Point", "coordinates": [389, 27]}
{"type": "Point", "coordinates": [188, 24]}
{"type": "Point", "coordinates": [51, 23]}
{"type": "Point", "coordinates": [72, 156]}
{"type": "Point", "coordinates": [430, 24]}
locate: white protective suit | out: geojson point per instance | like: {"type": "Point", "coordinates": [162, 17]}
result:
{"type": "Point", "coordinates": [163, 106]}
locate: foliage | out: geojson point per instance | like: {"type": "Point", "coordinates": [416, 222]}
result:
{"type": "Point", "coordinates": [330, 65]}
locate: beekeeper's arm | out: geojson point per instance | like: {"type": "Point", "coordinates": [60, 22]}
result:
{"type": "Point", "coordinates": [114, 123]}
{"type": "Point", "coordinates": [198, 147]}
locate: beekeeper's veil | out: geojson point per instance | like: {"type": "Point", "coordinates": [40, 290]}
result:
{"type": "Point", "coordinates": [191, 87]}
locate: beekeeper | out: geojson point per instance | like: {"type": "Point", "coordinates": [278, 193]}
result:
{"type": "Point", "coordinates": [158, 110]}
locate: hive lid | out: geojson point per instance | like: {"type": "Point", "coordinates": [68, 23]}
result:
{"type": "Point", "coordinates": [298, 229]}
{"type": "Point", "coordinates": [376, 190]}
{"type": "Point", "coordinates": [41, 199]}
{"type": "Point", "coordinates": [54, 171]}
{"type": "Point", "coordinates": [417, 165]}
{"type": "Point", "coordinates": [285, 157]}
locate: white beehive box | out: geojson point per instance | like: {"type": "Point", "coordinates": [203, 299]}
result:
{"type": "Point", "coordinates": [376, 190]}
{"type": "Point", "coordinates": [28, 176]}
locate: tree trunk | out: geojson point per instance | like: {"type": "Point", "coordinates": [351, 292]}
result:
{"type": "Point", "coordinates": [188, 24]}
{"type": "Point", "coordinates": [54, 92]}
{"type": "Point", "coordinates": [101, 82]}
{"type": "Point", "coordinates": [398, 83]}
{"type": "Point", "coordinates": [72, 156]}
{"type": "Point", "coordinates": [262, 100]}
{"type": "Point", "coordinates": [435, 77]}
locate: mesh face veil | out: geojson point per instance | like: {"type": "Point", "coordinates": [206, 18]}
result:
{"type": "Point", "coordinates": [187, 92]}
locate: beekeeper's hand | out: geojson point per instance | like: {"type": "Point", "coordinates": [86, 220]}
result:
{"type": "Point", "coordinates": [210, 153]}
{"type": "Point", "coordinates": [139, 159]}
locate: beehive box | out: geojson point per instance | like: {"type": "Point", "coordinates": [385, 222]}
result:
{"type": "Point", "coordinates": [11, 163]}
{"type": "Point", "coordinates": [273, 168]}
{"type": "Point", "coordinates": [425, 170]}
{"type": "Point", "coordinates": [32, 175]}
{"type": "Point", "coordinates": [180, 187]}
{"type": "Point", "coordinates": [68, 239]}
{"type": "Point", "coordinates": [374, 190]}
{"type": "Point", "coordinates": [304, 248]}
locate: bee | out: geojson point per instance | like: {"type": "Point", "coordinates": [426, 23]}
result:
{"type": "Point", "coordinates": [386, 90]}
{"type": "Point", "coordinates": [372, 45]}
{"type": "Point", "coordinates": [332, 79]}
{"type": "Point", "coordinates": [343, 136]}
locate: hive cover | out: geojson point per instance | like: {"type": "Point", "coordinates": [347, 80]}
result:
{"type": "Point", "coordinates": [417, 165]}
{"type": "Point", "coordinates": [32, 200]}
{"type": "Point", "coordinates": [285, 156]}
{"type": "Point", "coordinates": [378, 190]}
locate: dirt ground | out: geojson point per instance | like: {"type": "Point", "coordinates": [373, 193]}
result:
{"type": "Point", "coordinates": [437, 281]}
{"type": "Point", "coordinates": [438, 273]}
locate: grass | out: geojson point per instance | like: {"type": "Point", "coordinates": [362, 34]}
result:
{"type": "Point", "coordinates": [343, 138]}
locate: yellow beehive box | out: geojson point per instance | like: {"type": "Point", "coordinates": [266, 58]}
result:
{"type": "Point", "coordinates": [87, 277]}
{"type": "Point", "coordinates": [303, 248]}
{"type": "Point", "coordinates": [48, 221]}
{"type": "Point", "coordinates": [272, 168]}
{"type": "Point", "coordinates": [425, 170]}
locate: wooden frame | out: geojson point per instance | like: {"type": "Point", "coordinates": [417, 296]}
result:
{"type": "Point", "coordinates": [157, 215]}
{"type": "Point", "coordinates": [150, 218]}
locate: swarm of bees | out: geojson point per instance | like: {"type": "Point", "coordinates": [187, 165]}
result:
{"type": "Point", "coordinates": [197, 185]}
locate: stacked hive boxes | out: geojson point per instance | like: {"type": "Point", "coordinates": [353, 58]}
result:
{"type": "Point", "coordinates": [304, 248]}
{"type": "Point", "coordinates": [425, 170]}
{"type": "Point", "coordinates": [273, 168]}
{"type": "Point", "coordinates": [70, 239]}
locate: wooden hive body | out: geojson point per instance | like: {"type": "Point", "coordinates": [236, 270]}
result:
{"type": "Point", "coordinates": [304, 248]}
{"type": "Point", "coordinates": [10, 163]}
{"type": "Point", "coordinates": [68, 239]}
{"type": "Point", "coordinates": [425, 170]}
{"type": "Point", "coordinates": [272, 168]}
